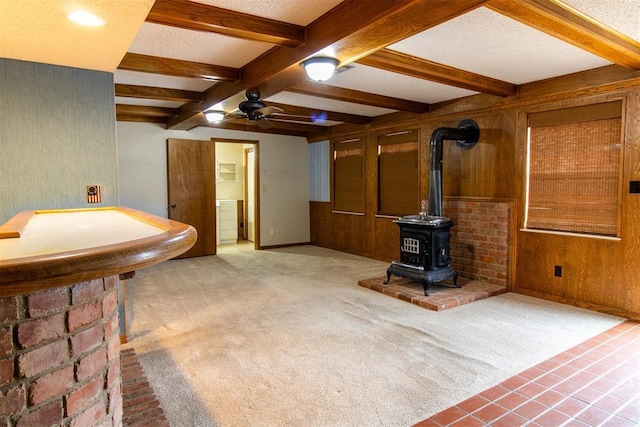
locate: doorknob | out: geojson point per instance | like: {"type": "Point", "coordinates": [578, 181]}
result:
{"type": "Point", "coordinates": [173, 205]}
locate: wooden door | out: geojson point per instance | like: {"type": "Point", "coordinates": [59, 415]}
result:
{"type": "Point", "coordinates": [191, 181]}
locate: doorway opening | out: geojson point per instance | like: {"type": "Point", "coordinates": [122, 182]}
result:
{"type": "Point", "coordinates": [237, 206]}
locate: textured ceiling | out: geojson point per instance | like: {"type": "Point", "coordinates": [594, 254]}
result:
{"type": "Point", "coordinates": [39, 31]}
{"type": "Point", "coordinates": [493, 45]}
{"type": "Point", "coordinates": [483, 42]}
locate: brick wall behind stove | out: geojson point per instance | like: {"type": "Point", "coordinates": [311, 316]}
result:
{"type": "Point", "coordinates": [60, 357]}
{"type": "Point", "coordinates": [479, 239]}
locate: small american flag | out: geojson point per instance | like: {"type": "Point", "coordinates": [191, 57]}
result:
{"type": "Point", "coordinates": [94, 194]}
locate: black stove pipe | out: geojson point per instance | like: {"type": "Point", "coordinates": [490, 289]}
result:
{"type": "Point", "coordinates": [466, 135]}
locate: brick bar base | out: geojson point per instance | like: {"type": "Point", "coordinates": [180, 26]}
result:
{"type": "Point", "coordinates": [141, 407]}
{"type": "Point", "coordinates": [440, 297]}
{"type": "Point", "coordinates": [60, 357]}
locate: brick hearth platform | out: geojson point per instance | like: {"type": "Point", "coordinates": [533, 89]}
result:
{"type": "Point", "coordinates": [140, 405]}
{"type": "Point", "coordinates": [440, 297]}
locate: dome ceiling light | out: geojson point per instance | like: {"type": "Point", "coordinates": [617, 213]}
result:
{"type": "Point", "coordinates": [320, 68]}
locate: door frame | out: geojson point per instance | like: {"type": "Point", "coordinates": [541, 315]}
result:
{"type": "Point", "coordinates": [256, 211]}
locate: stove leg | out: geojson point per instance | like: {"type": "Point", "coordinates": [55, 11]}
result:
{"type": "Point", "coordinates": [455, 280]}
{"type": "Point", "coordinates": [426, 288]}
{"type": "Point", "coordinates": [388, 278]}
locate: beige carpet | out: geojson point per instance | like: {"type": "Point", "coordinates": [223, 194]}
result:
{"type": "Point", "coordinates": [286, 337]}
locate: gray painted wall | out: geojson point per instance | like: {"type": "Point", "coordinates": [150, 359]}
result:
{"type": "Point", "coordinates": [57, 135]}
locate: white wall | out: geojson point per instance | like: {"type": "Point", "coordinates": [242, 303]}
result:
{"type": "Point", "coordinates": [227, 152]}
{"type": "Point", "coordinates": [283, 175]}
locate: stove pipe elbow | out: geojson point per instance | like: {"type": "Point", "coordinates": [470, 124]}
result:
{"type": "Point", "coordinates": [466, 136]}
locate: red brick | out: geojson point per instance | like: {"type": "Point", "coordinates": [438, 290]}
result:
{"type": "Point", "coordinates": [6, 371]}
{"type": "Point", "coordinates": [111, 282]}
{"type": "Point", "coordinates": [110, 303]}
{"type": "Point", "coordinates": [91, 416]}
{"type": "Point", "coordinates": [91, 364]}
{"type": "Point", "coordinates": [42, 329]}
{"type": "Point", "coordinates": [80, 398]}
{"type": "Point", "coordinates": [114, 374]}
{"type": "Point", "coordinates": [87, 340]}
{"type": "Point", "coordinates": [46, 302]}
{"type": "Point", "coordinates": [112, 326]}
{"type": "Point", "coordinates": [6, 341]}
{"type": "Point", "coordinates": [8, 309]}
{"type": "Point", "coordinates": [43, 358]}
{"type": "Point", "coordinates": [87, 290]}
{"type": "Point", "coordinates": [113, 348]}
{"type": "Point", "coordinates": [84, 315]}
{"type": "Point", "coordinates": [12, 401]}
{"type": "Point", "coordinates": [116, 414]}
{"type": "Point", "coordinates": [53, 384]}
{"type": "Point", "coordinates": [50, 414]}
{"type": "Point", "coordinates": [115, 399]}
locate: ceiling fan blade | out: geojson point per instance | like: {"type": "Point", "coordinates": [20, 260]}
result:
{"type": "Point", "coordinates": [292, 118]}
{"type": "Point", "coordinates": [264, 123]}
{"type": "Point", "coordinates": [268, 110]}
{"type": "Point", "coordinates": [233, 115]}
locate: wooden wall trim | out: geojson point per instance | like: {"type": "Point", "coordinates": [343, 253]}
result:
{"type": "Point", "coordinates": [577, 303]}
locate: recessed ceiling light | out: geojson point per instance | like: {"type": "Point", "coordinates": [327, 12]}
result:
{"type": "Point", "coordinates": [86, 18]}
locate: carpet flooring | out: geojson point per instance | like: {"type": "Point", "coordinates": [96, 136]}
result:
{"type": "Point", "coordinates": [286, 337]}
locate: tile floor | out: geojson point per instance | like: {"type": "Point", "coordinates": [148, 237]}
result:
{"type": "Point", "coordinates": [596, 383]}
{"type": "Point", "coordinates": [139, 403]}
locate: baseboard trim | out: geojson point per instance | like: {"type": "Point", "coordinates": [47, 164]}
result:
{"type": "Point", "coordinates": [287, 245]}
{"type": "Point", "coordinates": [582, 304]}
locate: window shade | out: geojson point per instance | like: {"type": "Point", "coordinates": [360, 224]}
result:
{"type": "Point", "coordinates": [398, 180]}
{"type": "Point", "coordinates": [348, 181]}
{"type": "Point", "coordinates": [574, 169]}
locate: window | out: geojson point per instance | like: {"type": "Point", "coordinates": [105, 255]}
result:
{"type": "Point", "coordinates": [319, 171]}
{"type": "Point", "coordinates": [574, 169]}
{"type": "Point", "coordinates": [398, 177]}
{"type": "Point", "coordinates": [348, 176]}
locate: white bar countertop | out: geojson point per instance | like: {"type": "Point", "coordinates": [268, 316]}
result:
{"type": "Point", "coordinates": [50, 248]}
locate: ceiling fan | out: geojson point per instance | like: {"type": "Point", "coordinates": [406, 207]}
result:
{"type": "Point", "coordinates": [255, 110]}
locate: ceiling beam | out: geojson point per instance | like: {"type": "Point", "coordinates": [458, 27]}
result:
{"type": "Point", "coordinates": [355, 96]}
{"type": "Point", "coordinates": [143, 110]}
{"type": "Point", "coordinates": [353, 29]}
{"type": "Point", "coordinates": [201, 17]}
{"type": "Point", "coordinates": [178, 68]}
{"type": "Point", "coordinates": [326, 115]}
{"type": "Point", "coordinates": [565, 23]}
{"type": "Point", "coordinates": [389, 60]}
{"type": "Point", "coordinates": [165, 94]}
{"type": "Point", "coordinates": [140, 119]}
{"type": "Point", "coordinates": [279, 124]}
{"type": "Point", "coordinates": [247, 126]}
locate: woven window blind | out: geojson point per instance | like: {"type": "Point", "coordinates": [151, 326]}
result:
{"type": "Point", "coordinates": [574, 169]}
{"type": "Point", "coordinates": [398, 178]}
{"type": "Point", "coordinates": [348, 176]}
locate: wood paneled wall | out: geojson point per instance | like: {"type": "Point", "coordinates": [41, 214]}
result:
{"type": "Point", "coordinates": [597, 273]}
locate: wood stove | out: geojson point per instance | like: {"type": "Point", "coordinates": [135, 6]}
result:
{"type": "Point", "coordinates": [424, 251]}
{"type": "Point", "coordinates": [424, 238]}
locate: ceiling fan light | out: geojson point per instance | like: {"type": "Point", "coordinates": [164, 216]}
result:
{"type": "Point", "coordinates": [214, 116]}
{"type": "Point", "coordinates": [320, 68]}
